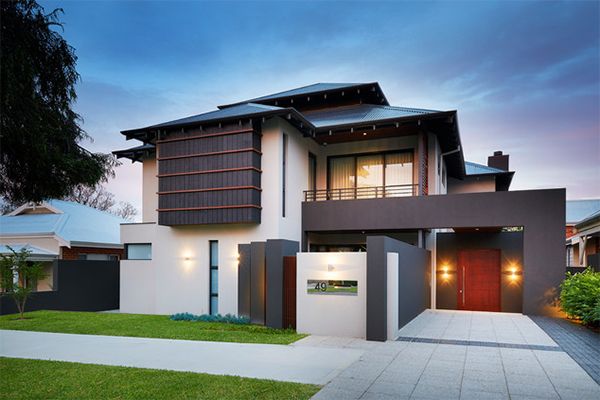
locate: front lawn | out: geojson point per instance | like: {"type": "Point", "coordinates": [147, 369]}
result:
{"type": "Point", "coordinates": [38, 379]}
{"type": "Point", "coordinates": [152, 326]}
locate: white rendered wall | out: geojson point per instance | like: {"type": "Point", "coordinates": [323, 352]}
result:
{"type": "Point", "coordinates": [392, 296]}
{"type": "Point", "coordinates": [149, 189]}
{"type": "Point", "coordinates": [331, 315]}
{"type": "Point", "coordinates": [177, 277]}
{"type": "Point", "coordinates": [472, 185]}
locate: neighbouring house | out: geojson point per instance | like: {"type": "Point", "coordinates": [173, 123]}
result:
{"type": "Point", "coordinates": [64, 236]}
{"type": "Point", "coordinates": [583, 233]}
{"type": "Point", "coordinates": [327, 209]}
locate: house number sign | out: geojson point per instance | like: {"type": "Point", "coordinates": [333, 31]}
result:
{"type": "Point", "coordinates": [332, 287]}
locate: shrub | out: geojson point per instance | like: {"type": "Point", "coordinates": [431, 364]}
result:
{"type": "Point", "coordinates": [227, 318]}
{"type": "Point", "coordinates": [580, 296]}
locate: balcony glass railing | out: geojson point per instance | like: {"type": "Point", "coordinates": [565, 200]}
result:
{"type": "Point", "coordinates": [372, 192]}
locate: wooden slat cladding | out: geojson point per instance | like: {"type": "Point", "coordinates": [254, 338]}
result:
{"type": "Point", "coordinates": [211, 144]}
{"type": "Point", "coordinates": [209, 199]}
{"type": "Point", "coordinates": [203, 217]}
{"type": "Point", "coordinates": [210, 176]}
{"type": "Point", "coordinates": [213, 162]}
{"type": "Point", "coordinates": [248, 177]}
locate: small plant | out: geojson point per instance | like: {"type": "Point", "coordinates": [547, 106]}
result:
{"type": "Point", "coordinates": [227, 318]}
{"type": "Point", "coordinates": [18, 277]}
{"type": "Point", "coordinates": [580, 296]}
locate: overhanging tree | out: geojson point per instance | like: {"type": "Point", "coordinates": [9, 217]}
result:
{"type": "Point", "coordinates": [40, 155]}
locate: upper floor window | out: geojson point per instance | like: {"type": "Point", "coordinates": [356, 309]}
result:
{"type": "Point", "coordinates": [138, 251]}
{"type": "Point", "coordinates": [284, 172]}
{"type": "Point", "coordinates": [372, 175]}
{"type": "Point", "coordinates": [312, 171]}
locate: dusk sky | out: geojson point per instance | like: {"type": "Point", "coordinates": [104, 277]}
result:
{"type": "Point", "coordinates": [524, 76]}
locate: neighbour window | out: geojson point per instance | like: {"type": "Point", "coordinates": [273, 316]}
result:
{"type": "Point", "coordinates": [214, 277]}
{"type": "Point", "coordinates": [138, 251]}
{"type": "Point", "coordinates": [97, 257]}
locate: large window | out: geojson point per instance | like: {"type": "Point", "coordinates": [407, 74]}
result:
{"type": "Point", "coordinates": [312, 171]}
{"type": "Point", "coordinates": [214, 277]}
{"type": "Point", "coordinates": [364, 176]}
{"type": "Point", "coordinates": [138, 251]}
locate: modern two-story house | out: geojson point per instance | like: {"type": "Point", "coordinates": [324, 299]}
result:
{"type": "Point", "coordinates": [323, 168]}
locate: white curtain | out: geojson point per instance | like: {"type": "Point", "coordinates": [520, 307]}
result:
{"type": "Point", "coordinates": [399, 171]}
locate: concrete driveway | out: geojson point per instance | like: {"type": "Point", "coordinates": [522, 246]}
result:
{"type": "Point", "coordinates": [460, 355]}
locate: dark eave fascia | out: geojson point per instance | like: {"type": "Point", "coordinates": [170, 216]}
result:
{"type": "Point", "coordinates": [288, 113]}
{"type": "Point", "coordinates": [320, 92]}
{"type": "Point", "coordinates": [387, 121]}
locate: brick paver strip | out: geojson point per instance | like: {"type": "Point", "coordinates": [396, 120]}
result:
{"type": "Point", "coordinates": [479, 343]}
{"type": "Point", "coordinates": [581, 343]}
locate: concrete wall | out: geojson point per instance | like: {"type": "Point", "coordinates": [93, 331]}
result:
{"type": "Point", "coordinates": [540, 212]}
{"type": "Point", "coordinates": [332, 315]}
{"type": "Point", "coordinates": [413, 285]}
{"type": "Point", "coordinates": [78, 286]}
{"type": "Point", "coordinates": [511, 247]}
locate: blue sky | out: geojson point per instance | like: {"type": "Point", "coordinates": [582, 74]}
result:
{"type": "Point", "coordinates": [524, 76]}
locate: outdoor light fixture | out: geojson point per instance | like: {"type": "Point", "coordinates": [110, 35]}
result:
{"type": "Point", "coordinates": [330, 267]}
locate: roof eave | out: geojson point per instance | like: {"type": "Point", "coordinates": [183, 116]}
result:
{"type": "Point", "coordinates": [318, 92]}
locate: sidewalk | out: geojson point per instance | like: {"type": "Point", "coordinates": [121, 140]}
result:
{"type": "Point", "coordinates": [301, 364]}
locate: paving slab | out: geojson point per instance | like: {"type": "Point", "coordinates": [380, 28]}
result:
{"type": "Point", "coordinates": [305, 364]}
{"type": "Point", "coordinates": [462, 355]}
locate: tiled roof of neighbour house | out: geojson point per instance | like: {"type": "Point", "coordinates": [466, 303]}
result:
{"type": "Point", "coordinates": [309, 89]}
{"type": "Point", "coordinates": [479, 169]}
{"type": "Point", "coordinates": [362, 113]}
{"type": "Point", "coordinates": [72, 222]}
{"type": "Point", "coordinates": [589, 220]}
{"type": "Point", "coordinates": [578, 210]}
{"type": "Point", "coordinates": [136, 152]}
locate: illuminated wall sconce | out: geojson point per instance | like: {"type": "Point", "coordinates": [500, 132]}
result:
{"type": "Point", "coordinates": [330, 267]}
{"type": "Point", "coordinates": [513, 273]}
{"type": "Point", "coordinates": [188, 258]}
{"type": "Point", "coordinates": [444, 272]}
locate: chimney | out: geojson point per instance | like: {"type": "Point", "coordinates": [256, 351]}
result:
{"type": "Point", "coordinates": [498, 160]}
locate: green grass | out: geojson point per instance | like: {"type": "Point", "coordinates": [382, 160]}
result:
{"type": "Point", "coordinates": [38, 379]}
{"type": "Point", "coordinates": [152, 326]}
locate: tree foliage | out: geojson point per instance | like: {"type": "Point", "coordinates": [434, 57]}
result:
{"type": "Point", "coordinates": [101, 199]}
{"type": "Point", "coordinates": [19, 277]}
{"type": "Point", "coordinates": [40, 155]}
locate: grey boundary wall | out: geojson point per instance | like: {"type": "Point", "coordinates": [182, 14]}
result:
{"type": "Point", "coordinates": [541, 213]}
{"type": "Point", "coordinates": [79, 285]}
{"type": "Point", "coordinates": [260, 280]}
{"type": "Point", "coordinates": [413, 283]}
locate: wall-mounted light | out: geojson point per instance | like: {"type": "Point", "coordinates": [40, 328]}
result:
{"type": "Point", "coordinates": [330, 267]}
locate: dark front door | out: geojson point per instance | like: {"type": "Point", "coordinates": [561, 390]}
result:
{"type": "Point", "coordinates": [289, 292]}
{"type": "Point", "coordinates": [479, 280]}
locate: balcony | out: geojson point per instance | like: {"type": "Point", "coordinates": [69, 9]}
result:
{"type": "Point", "coordinates": [372, 192]}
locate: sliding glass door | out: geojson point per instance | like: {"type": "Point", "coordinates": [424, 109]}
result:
{"type": "Point", "coordinates": [372, 175]}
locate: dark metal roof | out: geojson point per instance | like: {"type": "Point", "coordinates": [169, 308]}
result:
{"type": "Point", "coordinates": [361, 113]}
{"type": "Point", "coordinates": [248, 110]}
{"type": "Point", "coordinates": [135, 153]}
{"type": "Point", "coordinates": [315, 88]}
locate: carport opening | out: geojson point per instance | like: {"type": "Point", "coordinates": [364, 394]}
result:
{"type": "Point", "coordinates": [479, 269]}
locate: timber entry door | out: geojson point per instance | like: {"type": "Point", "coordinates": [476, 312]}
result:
{"type": "Point", "coordinates": [289, 292]}
{"type": "Point", "coordinates": [478, 283]}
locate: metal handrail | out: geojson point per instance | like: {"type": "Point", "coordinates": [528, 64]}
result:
{"type": "Point", "coordinates": [372, 192]}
